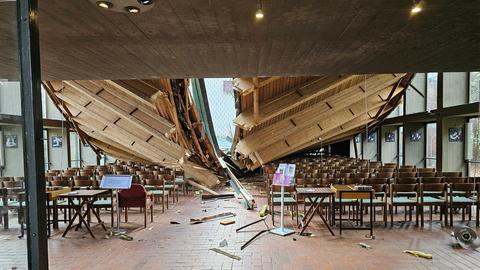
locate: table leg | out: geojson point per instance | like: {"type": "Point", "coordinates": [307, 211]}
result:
{"type": "Point", "coordinates": [90, 206]}
{"type": "Point", "coordinates": [340, 203]}
{"type": "Point", "coordinates": [323, 218]}
{"type": "Point", "coordinates": [70, 223]}
{"type": "Point", "coordinates": [311, 211]}
{"type": "Point", "coordinates": [305, 217]}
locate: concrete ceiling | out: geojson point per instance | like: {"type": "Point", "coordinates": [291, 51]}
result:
{"type": "Point", "coordinates": [220, 38]}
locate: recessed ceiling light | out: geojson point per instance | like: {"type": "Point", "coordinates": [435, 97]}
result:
{"type": "Point", "coordinates": [259, 14]}
{"type": "Point", "coordinates": [104, 4]}
{"type": "Point", "coordinates": [145, 2]}
{"type": "Point", "coordinates": [416, 8]}
{"type": "Point", "coordinates": [133, 10]}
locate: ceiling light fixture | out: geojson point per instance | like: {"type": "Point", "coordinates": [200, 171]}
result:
{"type": "Point", "coordinates": [259, 14]}
{"type": "Point", "coordinates": [145, 2]}
{"type": "Point", "coordinates": [416, 8]}
{"type": "Point", "coordinates": [132, 10]}
{"type": "Point", "coordinates": [104, 4]}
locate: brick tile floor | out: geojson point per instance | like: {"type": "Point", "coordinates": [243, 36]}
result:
{"type": "Point", "coordinates": [166, 246]}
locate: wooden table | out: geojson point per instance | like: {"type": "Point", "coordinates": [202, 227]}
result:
{"type": "Point", "coordinates": [87, 198]}
{"type": "Point", "coordinates": [317, 195]}
{"type": "Point", "coordinates": [348, 192]}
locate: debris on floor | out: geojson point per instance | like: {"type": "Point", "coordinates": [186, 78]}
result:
{"type": "Point", "coordinates": [174, 222]}
{"type": "Point", "coordinates": [219, 196]}
{"type": "Point", "coordinates": [263, 211]}
{"type": "Point", "coordinates": [208, 218]}
{"type": "Point", "coordinates": [227, 222]}
{"type": "Point", "coordinates": [363, 245]}
{"type": "Point", "coordinates": [226, 254]}
{"type": "Point", "coordinates": [224, 243]}
{"type": "Point", "coordinates": [125, 237]}
{"type": "Point", "coordinates": [419, 254]}
{"type": "Point", "coordinates": [307, 234]}
{"type": "Point", "coordinates": [178, 211]}
{"type": "Point", "coordinates": [229, 189]}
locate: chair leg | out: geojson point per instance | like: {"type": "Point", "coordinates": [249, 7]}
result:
{"type": "Point", "coordinates": [163, 204]}
{"type": "Point", "coordinates": [145, 217]}
{"type": "Point", "coordinates": [126, 214]}
{"type": "Point", "coordinates": [391, 215]}
{"type": "Point", "coordinates": [273, 214]}
{"type": "Point", "coordinates": [151, 213]}
{"type": "Point", "coordinates": [422, 217]}
{"type": "Point", "coordinates": [451, 215]}
{"type": "Point", "coordinates": [385, 215]}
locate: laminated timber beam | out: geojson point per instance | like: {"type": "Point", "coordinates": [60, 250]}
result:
{"type": "Point", "coordinates": [340, 115]}
{"type": "Point", "coordinates": [298, 95]}
{"type": "Point", "coordinates": [98, 118]}
{"type": "Point", "coordinates": [121, 118]}
{"type": "Point", "coordinates": [312, 115]}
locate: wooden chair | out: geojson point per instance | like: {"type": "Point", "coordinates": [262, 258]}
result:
{"type": "Point", "coordinates": [136, 196]}
{"type": "Point", "coordinates": [170, 185]}
{"type": "Point", "coordinates": [425, 170]}
{"type": "Point", "coordinates": [464, 196]}
{"type": "Point", "coordinates": [157, 188]}
{"type": "Point", "coordinates": [380, 199]}
{"type": "Point", "coordinates": [426, 199]}
{"type": "Point", "coordinates": [451, 174]}
{"type": "Point", "coordinates": [427, 174]}
{"type": "Point", "coordinates": [397, 199]}
{"type": "Point", "coordinates": [82, 182]}
{"type": "Point", "coordinates": [290, 200]}
{"type": "Point", "coordinates": [406, 174]}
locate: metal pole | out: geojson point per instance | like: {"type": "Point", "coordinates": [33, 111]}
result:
{"type": "Point", "coordinates": [28, 40]}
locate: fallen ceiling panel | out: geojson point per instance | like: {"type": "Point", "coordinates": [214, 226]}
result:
{"type": "Point", "coordinates": [141, 120]}
{"type": "Point", "coordinates": [316, 110]}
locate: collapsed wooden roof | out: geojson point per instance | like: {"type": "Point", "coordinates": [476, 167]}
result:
{"type": "Point", "coordinates": [140, 120]}
{"type": "Point", "coordinates": [280, 116]}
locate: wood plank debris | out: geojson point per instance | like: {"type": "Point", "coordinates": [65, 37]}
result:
{"type": "Point", "coordinates": [230, 255]}
{"type": "Point", "coordinates": [212, 217]}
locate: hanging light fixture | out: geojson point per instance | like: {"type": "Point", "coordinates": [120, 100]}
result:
{"type": "Point", "coordinates": [416, 7]}
{"type": "Point", "coordinates": [259, 14]}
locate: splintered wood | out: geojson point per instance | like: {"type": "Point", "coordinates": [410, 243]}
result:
{"type": "Point", "coordinates": [140, 120]}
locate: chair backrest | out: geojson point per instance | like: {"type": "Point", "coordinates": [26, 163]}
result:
{"type": "Point", "coordinates": [387, 169]}
{"type": "Point", "coordinates": [134, 197]}
{"type": "Point", "coordinates": [384, 175]}
{"type": "Point", "coordinates": [342, 175]}
{"type": "Point", "coordinates": [424, 170]}
{"type": "Point", "coordinates": [408, 169]}
{"type": "Point", "coordinates": [452, 180]}
{"type": "Point", "coordinates": [390, 165]}
{"type": "Point", "coordinates": [468, 188]}
{"type": "Point", "coordinates": [406, 174]}
{"type": "Point", "coordinates": [376, 181]}
{"type": "Point", "coordinates": [289, 189]}
{"type": "Point", "coordinates": [329, 181]}
{"type": "Point", "coordinates": [452, 174]}
{"type": "Point", "coordinates": [153, 182]}
{"type": "Point", "coordinates": [406, 180]}
{"type": "Point", "coordinates": [362, 175]}
{"type": "Point", "coordinates": [438, 187]}
{"type": "Point", "coordinates": [427, 174]}
{"type": "Point", "coordinates": [403, 188]}
{"type": "Point", "coordinates": [431, 180]}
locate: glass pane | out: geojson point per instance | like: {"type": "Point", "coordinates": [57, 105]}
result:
{"type": "Point", "coordinates": [474, 152]}
{"type": "Point", "coordinates": [432, 91]}
{"type": "Point", "coordinates": [400, 145]}
{"type": "Point", "coordinates": [474, 87]}
{"type": "Point", "coordinates": [13, 249]}
{"type": "Point", "coordinates": [220, 91]}
{"type": "Point", "coordinates": [75, 160]}
{"type": "Point", "coordinates": [431, 140]}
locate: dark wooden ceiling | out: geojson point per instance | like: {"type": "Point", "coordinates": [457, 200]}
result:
{"type": "Point", "coordinates": [220, 38]}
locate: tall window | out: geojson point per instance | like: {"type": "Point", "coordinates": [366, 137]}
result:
{"type": "Point", "coordinates": [473, 140]}
{"type": "Point", "coordinates": [75, 156]}
{"type": "Point", "coordinates": [400, 145]}
{"type": "Point", "coordinates": [474, 91]}
{"type": "Point", "coordinates": [432, 82]}
{"type": "Point", "coordinates": [431, 143]}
